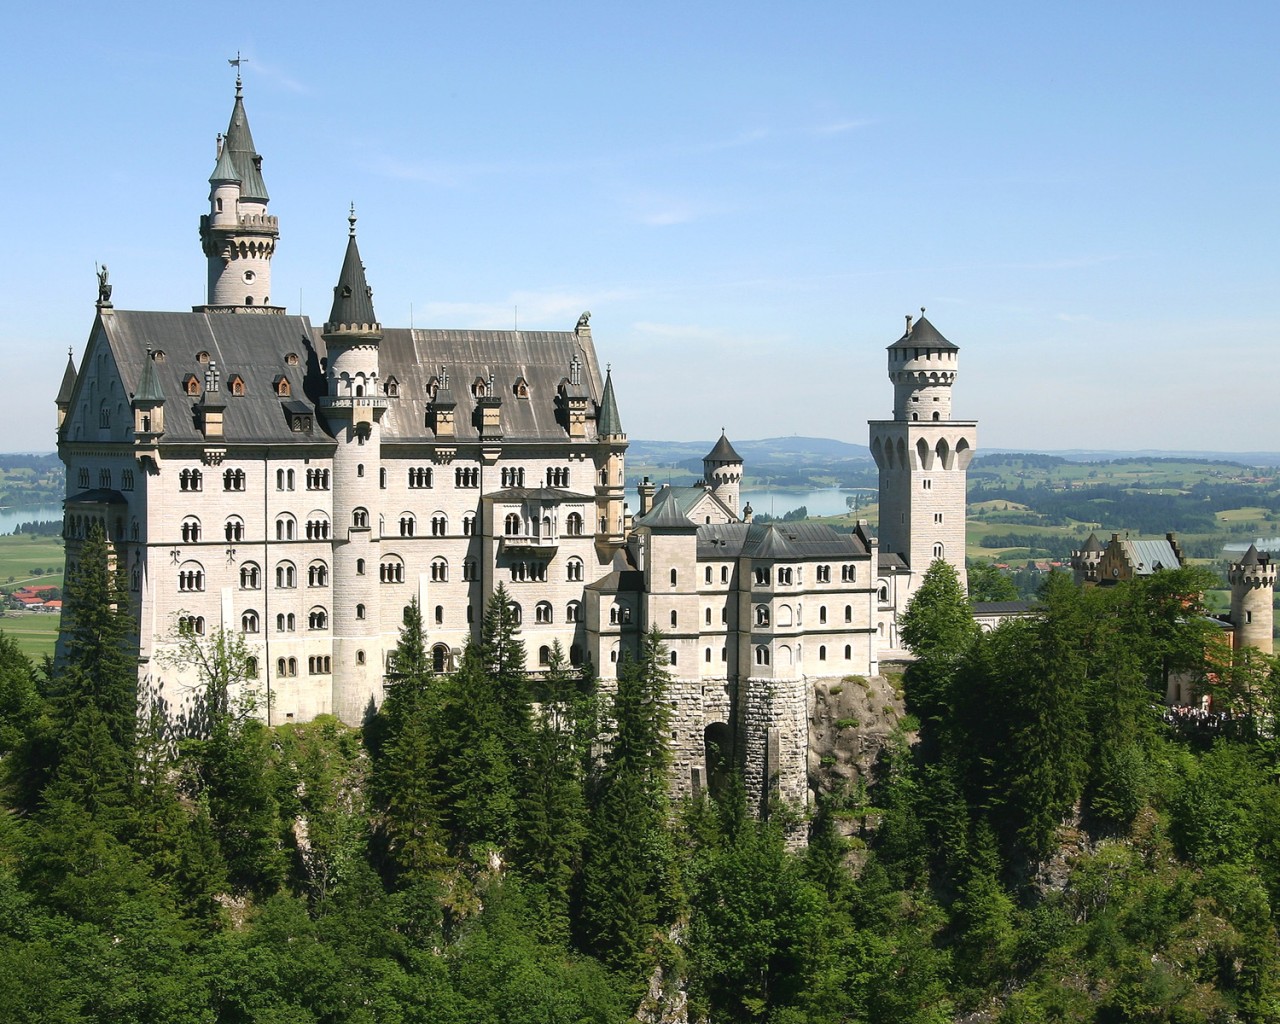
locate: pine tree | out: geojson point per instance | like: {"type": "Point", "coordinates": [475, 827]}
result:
{"type": "Point", "coordinates": [937, 625]}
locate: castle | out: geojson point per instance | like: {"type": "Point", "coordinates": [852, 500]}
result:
{"type": "Point", "coordinates": [298, 486]}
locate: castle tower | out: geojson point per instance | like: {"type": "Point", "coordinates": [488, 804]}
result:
{"type": "Point", "coordinates": [237, 234]}
{"type": "Point", "coordinates": [1253, 582]}
{"type": "Point", "coordinates": [923, 454]}
{"type": "Point", "coordinates": [63, 401]}
{"type": "Point", "coordinates": [353, 406]}
{"type": "Point", "coordinates": [1085, 562]}
{"type": "Point", "coordinates": [610, 489]}
{"type": "Point", "coordinates": [722, 470]}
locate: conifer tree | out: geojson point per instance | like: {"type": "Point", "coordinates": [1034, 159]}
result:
{"type": "Point", "coordinates": [937, 625]}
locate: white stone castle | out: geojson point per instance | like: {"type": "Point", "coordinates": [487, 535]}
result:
{"type": "Point", "coordinates": [299, 486]}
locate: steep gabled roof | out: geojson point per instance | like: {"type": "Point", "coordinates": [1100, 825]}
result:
{"type": "Point", "coordinates": [149, 385]}
{"type": "Point", "coordinates": [666, 513]}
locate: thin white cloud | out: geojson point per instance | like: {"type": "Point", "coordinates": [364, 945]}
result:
{"type": "Point", "coordinates": [840, 127]}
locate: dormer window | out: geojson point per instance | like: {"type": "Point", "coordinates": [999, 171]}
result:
{"type": "Point", "coordinates": [282, 388]}
{"type": "Point", "coordinates": [236, 385]}
{"type": "Point", "coordinates": [202, 357]}
{"type": "Point", "coordinates": [191, 384]}
{"type": "Point", "coordinates": [392, 387]}
{"type": "Point", "coordinates": [521, 388]}
{"type": "Point", "coordinates": [291, 359]}
{"type": "Point", "coordinates": [477, 387]}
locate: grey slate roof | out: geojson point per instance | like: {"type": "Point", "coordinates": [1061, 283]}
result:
{"type": "Point", "coordinates": [1148, 556]}
{"type": "Point", "coordinates": [622, 581]}
{"type": "Point", "coordinates": [149, 385]}
{"type": "Point", "coordinates": [252, 346]}
{"type": "Point", "coordinates": [225, 168]}
{"type": "Point", "coordinates": [722, 452]}
{"type": "Point", "coordinates": [542, 358]}
{"type": "Point", "coordinates": [666, 513]}
{"type": "Point", "coordinates": [924, 335]}
{"type": "Point", "coordinates": [544, 494]}
{"type": "Point", "coordinates": [1001, 608]}
{"type": "Point", "coordinates": [245, 159]}
{"type": "Point", "coordinates": [777, 541]}
{"type": "Point", "coordinates": [1092, 545]}
{"type": "Point", "coordinates": [609, 422]}
{"type": "Point", "coordinates": [352, 296]}
{"type": "Point", "coordinates": [68, 382]}
{"type": "Point", "coordinates": [1250, 557]}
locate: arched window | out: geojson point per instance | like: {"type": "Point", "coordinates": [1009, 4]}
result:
{"type": "Point", "coordinates": [706, 655]}
{"type": "Point", "coordinates": [250, 577]}
{"type": "Point", "coordinates": [317, 618]}
{"type": "Point", "coordinates": [848, 613]}
{"type": "Point", "coordinates": [286, 528]}
{"type": "Point", "coordinates": [707, 616]}
{"type": "Point", "coordinates": [762, 615]}
{"type": "Point", "coordinates": [286, 623]}
{"type": "Point", "coordinates": [359, 566]}
{"type": "Point", "coordinates": [190, 530]}
{"type": "Point", "coordinates": [249, 622]}
{"type": "Point", "coordinates": [469, 524]}
{"type": "Point", "coordinates": [251, 668]}
{"type": "Point", "coordinates": [233, 480]}
{"type": "Point", "coordinates": [542, 613]}
{"type": "Point", "coordinates": [439, 615]}
{"type": "Point", "coordinates": [517, 614]}
{"type": "Point", "coordinates": [673, 577]}
{"type": "Point", "coordinates": [318, 526]}
{"type": "Point", "coordinates": [439, 658]}
{"type": "Point", "coordinates": [191, 577]}
{"type": "Point", "coordinates": [439, 570]}
{"type": "Point", "coordinates": [360, 657]}
{"type": "Point", "coordinates": [286, 576]}
{"type": "Point", "coordinates": [573, 570]}
{"type": "Point", "coordinates": [822, 652]}
{"type": "Point", "coordinates": [848, 652]}
{"type": "Point", "coordinates": [391, 570]}
{"type": "Point", "coordinates": [822, 615]}
{"type": "Point", "coordinates": [360, 611]}
{"type": "Point", "coordinates": [674, 618]}
{"type": "Point", "coordinates": [439, 525]}
{"type": "Point", "coordinates": [406, 524]}
{"type": "Point", "coordinates": [884, 593]}
{"type": "Point", "coordinates": [572, 612]}
{"type": "Point", "coordinates": [938, 550]}
{"type": "Point", "coordinates": [511, 525]}
{"type": "Point", "coordinates": [762, 655]}
{"type": "Point", "coordinates": [672, 657]}
{"type": "Point", "coordinates": [573, 524]}
{"type": "Point", "coordinates": [234, 529]}
{"type": "Point", "coordinates": [189, 480]}
{"type": "Point", "coordinates": [317, 574]}
{"type": "Point", "coordinates": [360, 518]}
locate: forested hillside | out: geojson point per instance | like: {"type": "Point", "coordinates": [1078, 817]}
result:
{"type": "Point", "coordinates": [1038, 843]}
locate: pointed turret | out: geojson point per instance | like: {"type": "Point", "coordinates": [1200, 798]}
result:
{"type": "Point", "coordinates": [722, 471]}
{"type": "Point", "coordinates": [148, 404]}
{"type": "Point", "coordinates": [352, 310]}
{"type": "Point", "coordinates": [1253, 582]}
{"type": "Point", "coordinates": [609, 423]}
{"type": "Point", "coordinates": [63, 401]}
{"type": "Point", "coordinates": [237, 234]}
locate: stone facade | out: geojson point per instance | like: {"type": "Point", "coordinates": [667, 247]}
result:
{"type": "Point", "coordinates": [298, 486]}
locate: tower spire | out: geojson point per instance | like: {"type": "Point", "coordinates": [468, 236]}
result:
{"type": "Point", "coordinates": [237, 234]}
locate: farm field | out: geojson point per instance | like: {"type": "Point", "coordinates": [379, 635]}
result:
{"type": "Point", "coordinates": [35, 632]}
{"type": "Point", "coordinates": [20, 553]}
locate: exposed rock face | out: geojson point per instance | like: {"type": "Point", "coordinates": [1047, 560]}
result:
{"type": "Point", "coordinates": [850, 721]}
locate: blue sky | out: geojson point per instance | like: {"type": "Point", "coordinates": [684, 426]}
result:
{"type": "Point", "coordinates": [749, 197]}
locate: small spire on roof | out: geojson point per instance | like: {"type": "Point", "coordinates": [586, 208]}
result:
{"type": "Point", "coordinates": [351, 219]}
{"type": "Point", "coordinates": [908, 323]}
{"type": "Point", "coordinates": [236, 64]}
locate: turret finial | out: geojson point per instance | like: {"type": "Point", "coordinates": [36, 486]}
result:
{"type": "Point", "coordinates": [351, 219]}
{"type": "Point", "coordinates": [236, 64]}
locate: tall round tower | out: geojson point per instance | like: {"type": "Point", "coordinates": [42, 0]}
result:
{"type": "Point", "coordinates": [237, 234]}
{"type": "Point", "coordinates": [1253, 583]}
{"type": "Point", "coordinates": [923, 454]}
{"type": "Point", "coordinates": [722, 470]}
{"type": "Point", "coordinates": [353, 407]}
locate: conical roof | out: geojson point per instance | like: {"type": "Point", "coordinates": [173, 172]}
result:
{"type": "Point", "coordinates": [149, 385]}
{"type": "Point", "coordinates": [68, 382]}
{"type": "Point", "coordinates": [722, 452]}
{"type": "Point", "coordinates": [1092, 545]}
{"type": "Point", "coordinates": [923, 334]}
{"type": "Point", "coordinates": [225, 168]}
{"type": "Point", "coordinates": [352, 296]}
{"type": "Point", "coordinates": [609, 422]}
{"type": "Point", "coordinates": [239, 144]}
{"type": "Point", "coordinates": [1250, 557]}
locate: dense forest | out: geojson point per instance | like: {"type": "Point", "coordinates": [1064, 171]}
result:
{"type": "Point", "coordinates": [1039, 841]}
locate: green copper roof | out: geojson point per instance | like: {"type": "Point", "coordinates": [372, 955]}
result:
{"type": "Point", "coordinates": [225, 168]}
{"type": "Point", "coordinates": [608, 422]}
{"type": "Point", "coordinates": [352, 296]}
{"type": "Point", "coordinates": [239, 144]}
{"type": "Point", "coordinates": [149, 385]}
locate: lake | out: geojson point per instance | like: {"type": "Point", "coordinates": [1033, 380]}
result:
{"type": "Point", "coordinates": [12, 515]}
{"type": "Point", "coordinates": [829, 501]}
